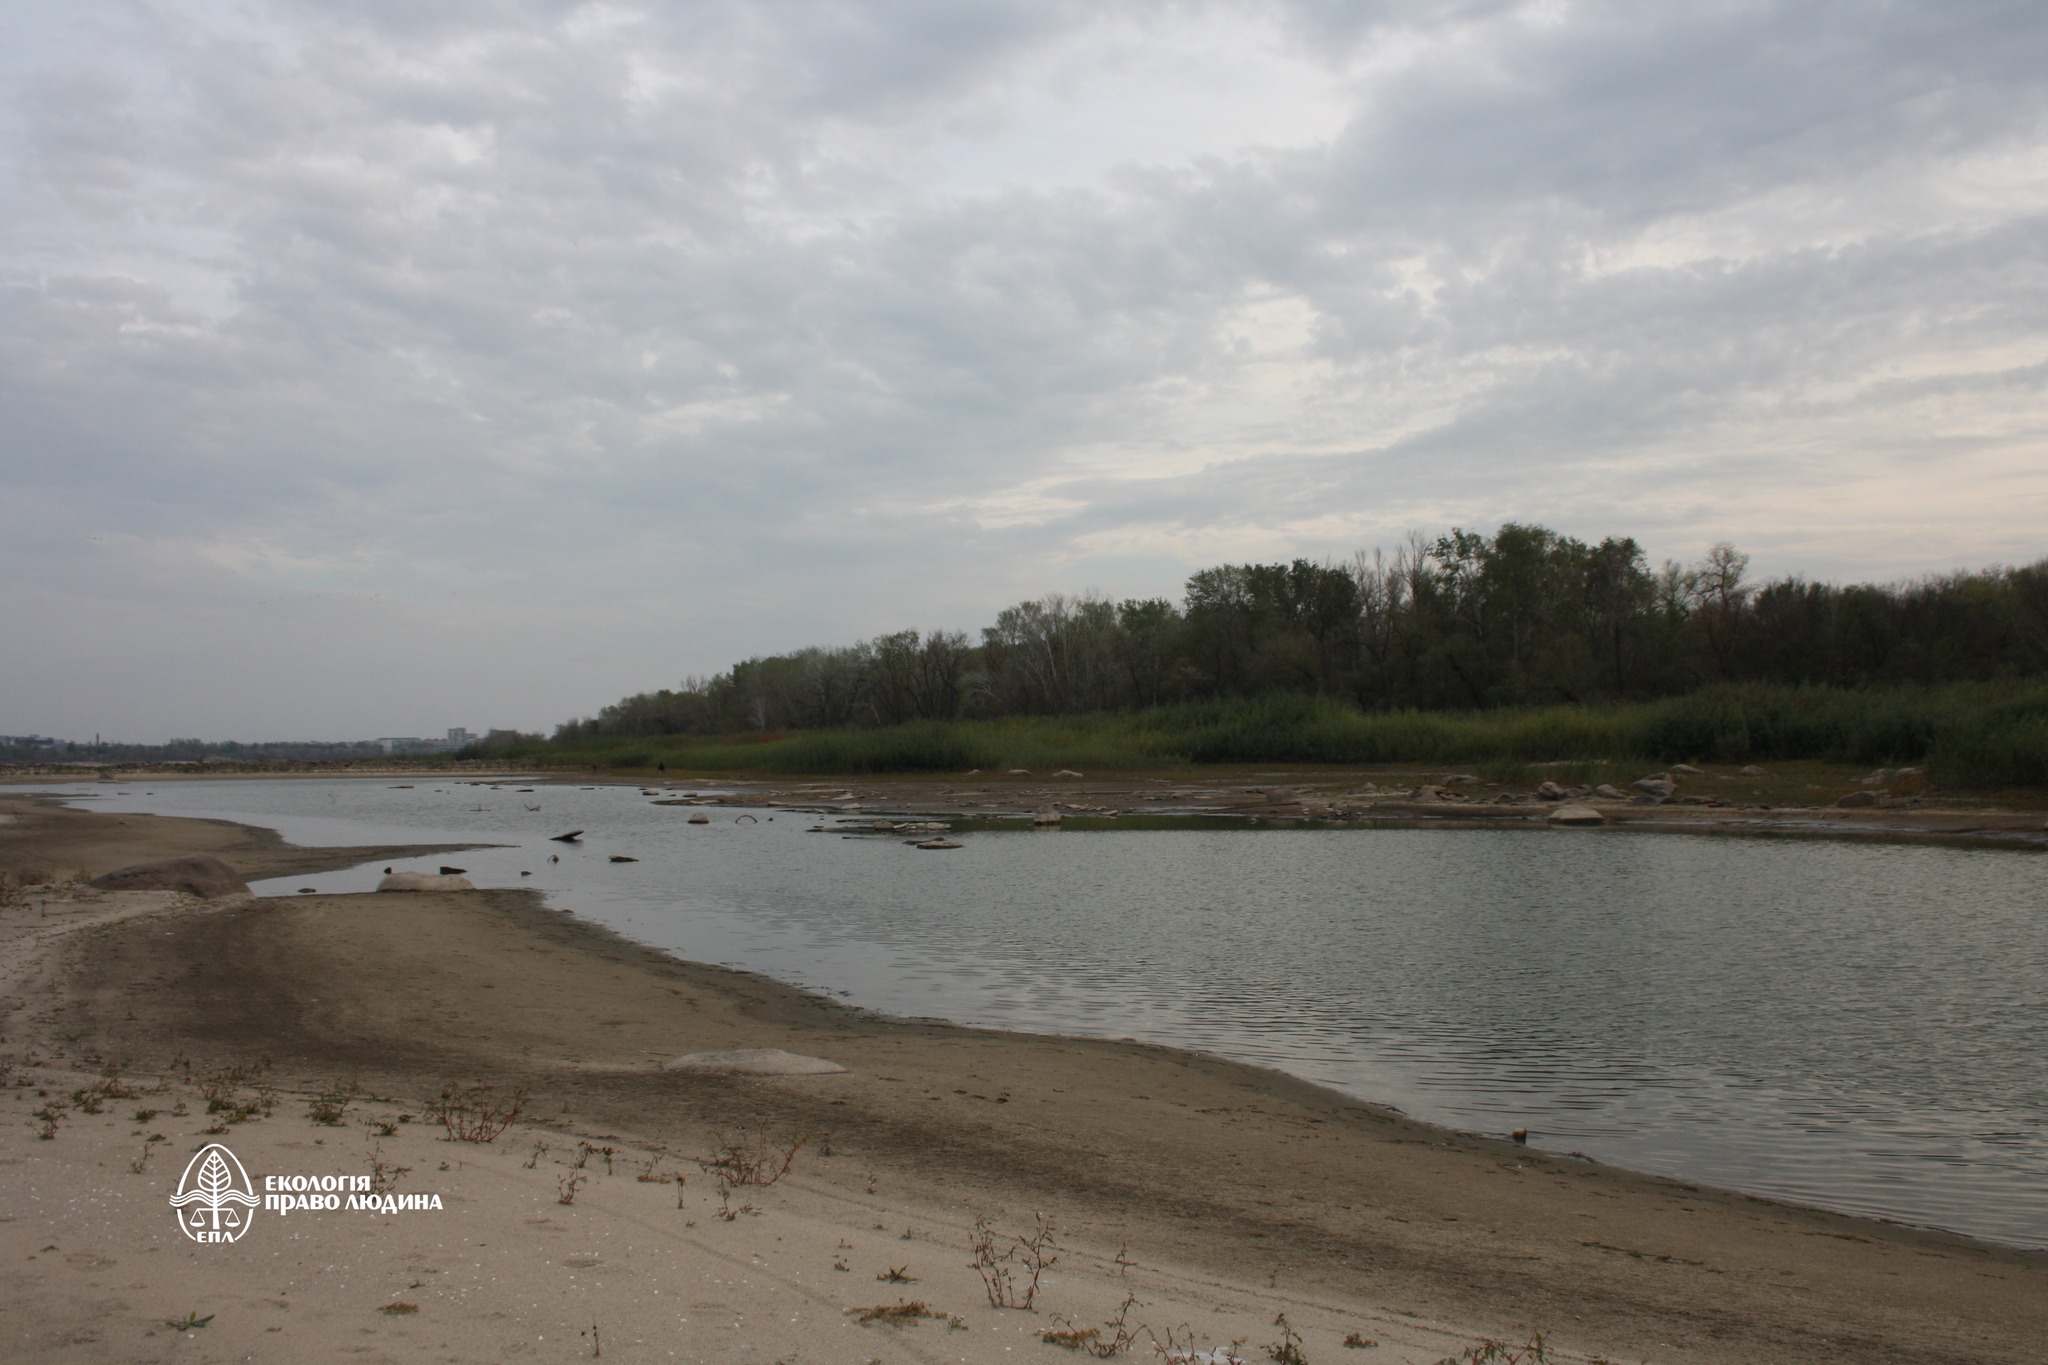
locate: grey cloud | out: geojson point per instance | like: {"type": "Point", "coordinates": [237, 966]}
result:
{"type": "Point", "coordinates": [658, 341]}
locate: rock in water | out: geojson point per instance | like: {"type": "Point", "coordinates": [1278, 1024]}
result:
{"type": "Point", "coordinates": [453, 871]}
{"type": "Point", "coordinates": [1046, 816]}
{"type": "Point", "coordinates": [700, 818]}
{"type": "Point", "coordinates": [755, 1061]}
{"type": "Point", "coordinates": [424, 881]}
{"type": "Point", "coordinates": [200, 874]}
{"type": "Point", "coordinates": [1576, 815]}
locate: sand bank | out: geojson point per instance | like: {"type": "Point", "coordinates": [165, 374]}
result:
{"type": "Point", "coordinates": [1239, 1194]}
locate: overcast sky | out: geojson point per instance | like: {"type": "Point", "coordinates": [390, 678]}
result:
{"type": "Point", "coordinates": [369, 367]}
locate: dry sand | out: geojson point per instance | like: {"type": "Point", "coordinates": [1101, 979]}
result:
{"type": "Point", "coordinates": [1237, 1194]}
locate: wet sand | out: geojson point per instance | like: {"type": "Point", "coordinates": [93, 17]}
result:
{"type": "Point", "coordinates": [1268, 1190]}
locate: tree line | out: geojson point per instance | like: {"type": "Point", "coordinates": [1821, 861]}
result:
{"type": "Point", "coordinates": [1464, 621]}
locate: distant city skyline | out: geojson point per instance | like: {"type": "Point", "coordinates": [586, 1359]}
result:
{"type": "Point", "coordinates": [363, 364]}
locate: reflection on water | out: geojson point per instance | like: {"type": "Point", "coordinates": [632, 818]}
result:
{"type": "Point", "coordinates": [1851, 1025]}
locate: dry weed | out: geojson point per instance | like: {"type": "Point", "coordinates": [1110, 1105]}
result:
{"type": "Point", "coordinates": [476, 1114]}
{"type": "Point", "coordinates": [1493, 1352]}
{"type": "Point", "coordinates": [384, 1176]}
{"type": "Point", "coordinates": [751, 1157]}
{"type": "Point", "coordinates": [1011, 1265]}
{"type": "Point", "coordinates": [1287, 1350]}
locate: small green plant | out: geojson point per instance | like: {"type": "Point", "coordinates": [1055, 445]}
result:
{"type": "Point", "coordinates": [191, 1322]}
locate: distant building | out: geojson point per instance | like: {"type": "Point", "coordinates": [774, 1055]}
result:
{"type": "Point", "coordinates": [459, 737]}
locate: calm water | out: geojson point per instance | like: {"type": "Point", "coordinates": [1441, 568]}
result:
{"type": "Point", "coordinates": [1850, 1025]}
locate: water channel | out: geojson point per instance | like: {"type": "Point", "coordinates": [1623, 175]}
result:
{"type": "Point", "coordinates": [1853, 1025]}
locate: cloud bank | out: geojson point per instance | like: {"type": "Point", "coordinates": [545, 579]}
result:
{"type": "Point", "coordinates": [369, 368]}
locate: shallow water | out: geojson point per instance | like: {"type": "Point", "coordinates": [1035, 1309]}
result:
{"type": "Point", "coordinates": [1859, 1026]}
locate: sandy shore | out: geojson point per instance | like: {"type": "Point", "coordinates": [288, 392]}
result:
{"type": "Point", "coordinates": [1237, 1194]}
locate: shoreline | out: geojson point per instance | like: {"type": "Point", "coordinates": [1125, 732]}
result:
{"type": "Point", "coordinates": [1219, 1166]}
{"type": "Point", "coordinates": [1782, 804]}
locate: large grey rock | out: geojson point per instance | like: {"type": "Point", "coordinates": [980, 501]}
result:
{"type": "Point", "coordinates": [1686, 770]}
{"type": "Point", "coordinates": [1608, 793]}
{"type": "Point", "coordinates": [200, 874]}
{"type": "Point", "coordinates": [1550, 791]}
{"type": "Point", "coordinates": [1660, 787]}
{"type": "Point", "coordinates": [754, 1061]}
{"type": "Point", "coordinates": [1865, 798]}
{"type": "Point", "coordinates": [424, 881]}
{"type": "Point", "coordinates": [1045, 815]}
{"type": "Point", "coordinates": [1569, 816]}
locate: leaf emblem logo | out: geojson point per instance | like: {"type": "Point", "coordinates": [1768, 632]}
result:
{"type": "Point", "coordinates": [215, 1198]}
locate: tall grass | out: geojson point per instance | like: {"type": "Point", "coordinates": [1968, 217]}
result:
{"type": "Point", "coordinates": [1989, 735]}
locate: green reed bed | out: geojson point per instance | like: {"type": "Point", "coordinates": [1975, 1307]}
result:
{"type": "Point", "coordinates": [1984, 735]}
